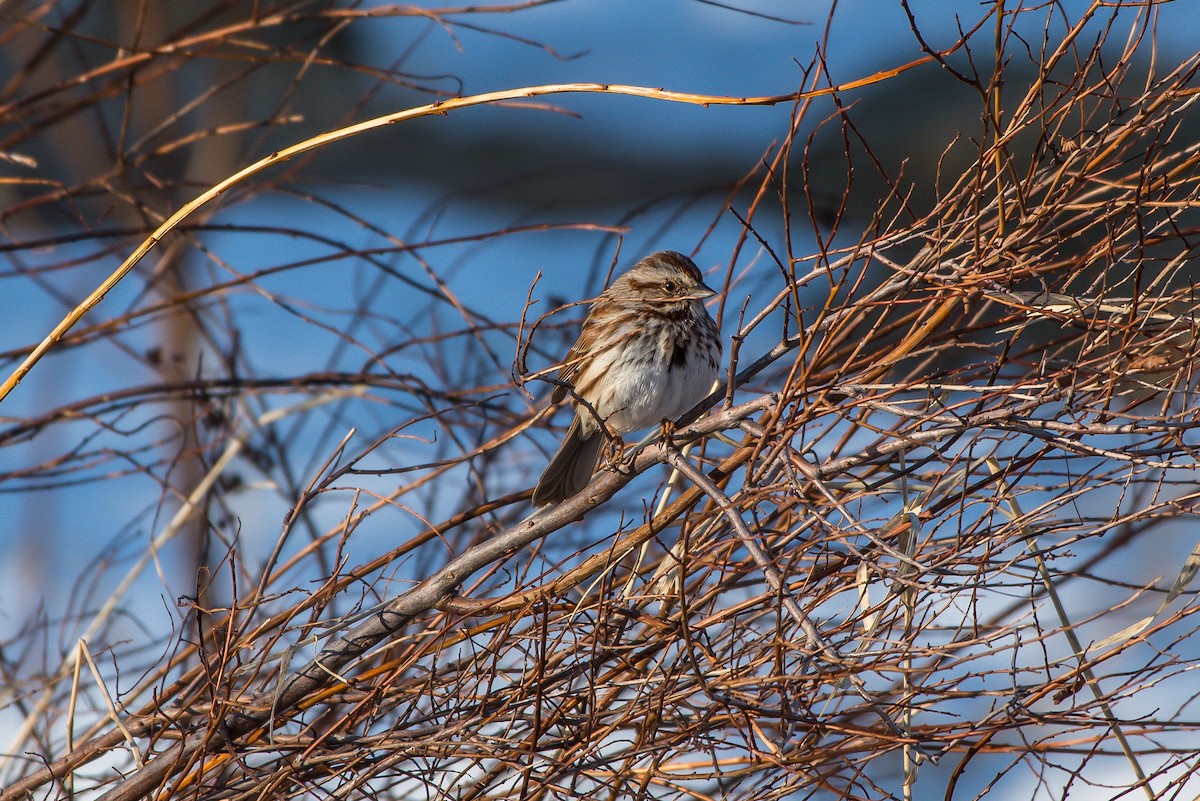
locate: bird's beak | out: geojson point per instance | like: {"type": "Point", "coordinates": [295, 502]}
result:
{"type": "Point", "coordinates": [702, 292]}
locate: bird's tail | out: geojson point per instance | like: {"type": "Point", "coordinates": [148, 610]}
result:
{"type": "Point", "coordinates": [571, 468]}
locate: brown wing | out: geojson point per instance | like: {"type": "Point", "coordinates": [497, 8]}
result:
{"type": "Point", "coordinates": [571, 364]}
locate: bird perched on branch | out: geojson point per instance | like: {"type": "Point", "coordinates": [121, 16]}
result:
{"type": "Point", "coordinates": [648, 352]}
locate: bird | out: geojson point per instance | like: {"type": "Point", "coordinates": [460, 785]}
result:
{"type": "Point", "coordinates": [648, 351]}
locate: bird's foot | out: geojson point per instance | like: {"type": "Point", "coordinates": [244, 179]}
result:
{"type": "Point", "coordinates": [619, 456]}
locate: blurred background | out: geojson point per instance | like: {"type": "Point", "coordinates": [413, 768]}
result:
{"type": "Point", "coordinates": [376, 294]}
{"type": "Point", "coordinates": [592, 179]}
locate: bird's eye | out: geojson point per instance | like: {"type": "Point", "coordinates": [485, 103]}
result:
{"type": "Point", "coordinates": [671, 287]}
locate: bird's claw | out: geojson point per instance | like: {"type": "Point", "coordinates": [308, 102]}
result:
{"type": "Point", "coordinates": [667, 432]}
{"type": "Point", "coordinates": [619, 455]}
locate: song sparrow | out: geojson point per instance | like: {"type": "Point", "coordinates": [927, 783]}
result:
{"type": "Point", "coordinates": [648, 352]}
